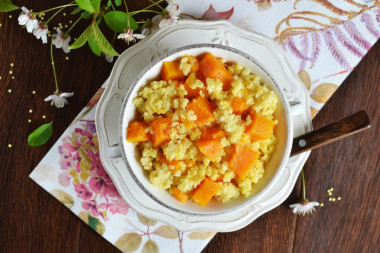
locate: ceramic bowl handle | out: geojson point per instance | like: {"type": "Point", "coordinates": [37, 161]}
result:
{"type": "Point", "coordinates": [330, 133]}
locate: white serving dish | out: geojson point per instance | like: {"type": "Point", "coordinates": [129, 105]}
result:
{"type": "Point", "coordinates": [283, 132]}
{"type": "Point", "coordinates": [134, 60]}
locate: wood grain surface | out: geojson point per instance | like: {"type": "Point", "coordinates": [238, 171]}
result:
{"type": "Point", "coordinates": [31, 220]}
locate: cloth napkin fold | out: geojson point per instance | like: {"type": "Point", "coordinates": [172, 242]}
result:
{"type": "Point", "coordinates": [324, 40]}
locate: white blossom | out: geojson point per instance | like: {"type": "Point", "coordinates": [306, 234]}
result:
{"type": "Point", "coordinates": [129, 36]}
{"type": "Point", "coordinates": [60, 40]}
{"type": "Point", "coordinates": [174, 9]}
{"type": "Point", "coordinates": [59, 99]}
{"type": "Point", "coordinates": [304, 208]}
{"type": "Point", "coordinates": [28, 20]}
{"type": "Point", "coordinates": [41, 32]}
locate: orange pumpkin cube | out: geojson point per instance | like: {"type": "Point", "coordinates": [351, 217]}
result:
{"type": "Point", "coordinates": [238, 105]}
{"type": "Point", "coordinates": [180, 196]}
{"type": "Point", "coordinates": [211, 67]}
{"type": "Point", "coordinates": [136, 132]}
{"type": "Point", "coordinates": [203, 109]}
{"type": "Point", "coordinates": [260, 128]}
{"type": "Point", "coordinates": [209, 133]}
{"type": "Point", "coordinates": [160, 129]}
{"type": "Point", "coordinates": [210, 148]}
{"type": "Point", "coordinates": [192, 93]}
{"type": "Point", "coordinates": [242, 159]}
{"type": "Point", "coordinates": [205, 191]}
{"type": "Point", "coordinates": [170, 71]}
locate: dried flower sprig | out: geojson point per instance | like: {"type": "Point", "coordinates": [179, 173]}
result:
{"type": "Point", "coordinates": [305, 206]}
{"type": "Point", "coordinates": [115, 15]}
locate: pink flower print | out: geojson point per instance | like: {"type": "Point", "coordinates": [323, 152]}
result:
{"type": "Point", "coordinates": [64, 179]}
{"type": "Point", "coordinates": [101, 183]}
{"type": "Point", "coordinates": [90, 127]}
{"type": "Point", "coordinates": [96, 164]}
{"type": "Point", "coordinates": [119, 206]}
{"type": "Point", "coordinates": [67, 162]}
{"type": "Point", "coordinates": [101, 186]}
{"type": "Point", "coordinates": [91, 205]}
{"type": "Point", "coordinates": [83, 191]}
{"type": "Point", "coordinates": [78, 142]}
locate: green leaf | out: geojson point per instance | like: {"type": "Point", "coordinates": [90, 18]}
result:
{"type": "Point", "coordinates": [109, 3]}
{"type": "Point", "coordinates": [95, 4]}
{"type": "Point", "coordinates": [104, 45]}
{"type": "Point", "coordinates": [85, 5]}
{"type": "Point", "coordinates": [93, 222]}
{"type": "Point", "coordinates": [128, 242]}
{"type": "Point", "coordinates": [82, 38]}
{"type": "Point", "coordinates": [41, 135]}
{"type": "Point", "coordinates": [118, 21]}
{"type": "Point", "coordinates": [118, 2]}
{"type": "Point", "coordinates": [86, 15]}
{"type": "Point", "coordinates": [150, 247]}
{"type": "Point", "coordinates": [94, 46]}
{"type": "Point", "coordinates": [75, 11]}
{"type": "Point", "coordinates": [7, 5]}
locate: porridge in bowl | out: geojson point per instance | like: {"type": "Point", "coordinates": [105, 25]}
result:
{"type": "Point", "coordinates": [205, 129]}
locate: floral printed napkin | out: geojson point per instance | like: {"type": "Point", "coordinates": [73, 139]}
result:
{"type": "Point", "coordinates": [324, 40]}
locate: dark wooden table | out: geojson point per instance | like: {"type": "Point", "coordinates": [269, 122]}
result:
{"type": "Point", "coordinates": [31, 220]}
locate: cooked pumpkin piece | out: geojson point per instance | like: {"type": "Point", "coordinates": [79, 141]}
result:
{"type": "Point", "coordinates": [180, 196]}
{"type": "Point", "coordinates": [203, 109]}
{"type": "Point", "coordinates": [242, 159]}
{"type": "Point", "coordinates": [260, 128]}
{"type": "Point", "coordinates": [193, 92]}
{"type": "Point", "coordinates": [170, 71]}
{"type": "Point", "coordinates": [205, 191]}
{"type": "Point", "coordinates": [238, 105]}
{"type": "Point", "coordinates": [160, 129]}
{"type": "Point", "coordinates": [210, 148]}
{"type": "Point", "coordinates": [211, 67]}
{"type": "Point", "coordinates": [214, 132]}
{"type": "Point", "coordinates": [136, 132]}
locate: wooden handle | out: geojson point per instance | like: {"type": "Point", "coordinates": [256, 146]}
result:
{"type": "Point", "coordinates": [330, 133]}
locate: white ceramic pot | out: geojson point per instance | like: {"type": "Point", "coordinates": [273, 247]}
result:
{"type": "Point", "coordinates": [283, 132]}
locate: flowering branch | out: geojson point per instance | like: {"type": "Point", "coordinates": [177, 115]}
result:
{"type": "Point", "coordinates": [119, 21]}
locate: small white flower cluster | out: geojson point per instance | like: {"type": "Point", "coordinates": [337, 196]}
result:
{"type": "Point", "coordinates": [40, 30]}
{"type": "Point", "coordinates": [173, 10]}
{"type": "Point", "coordinates": [61, 40]}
